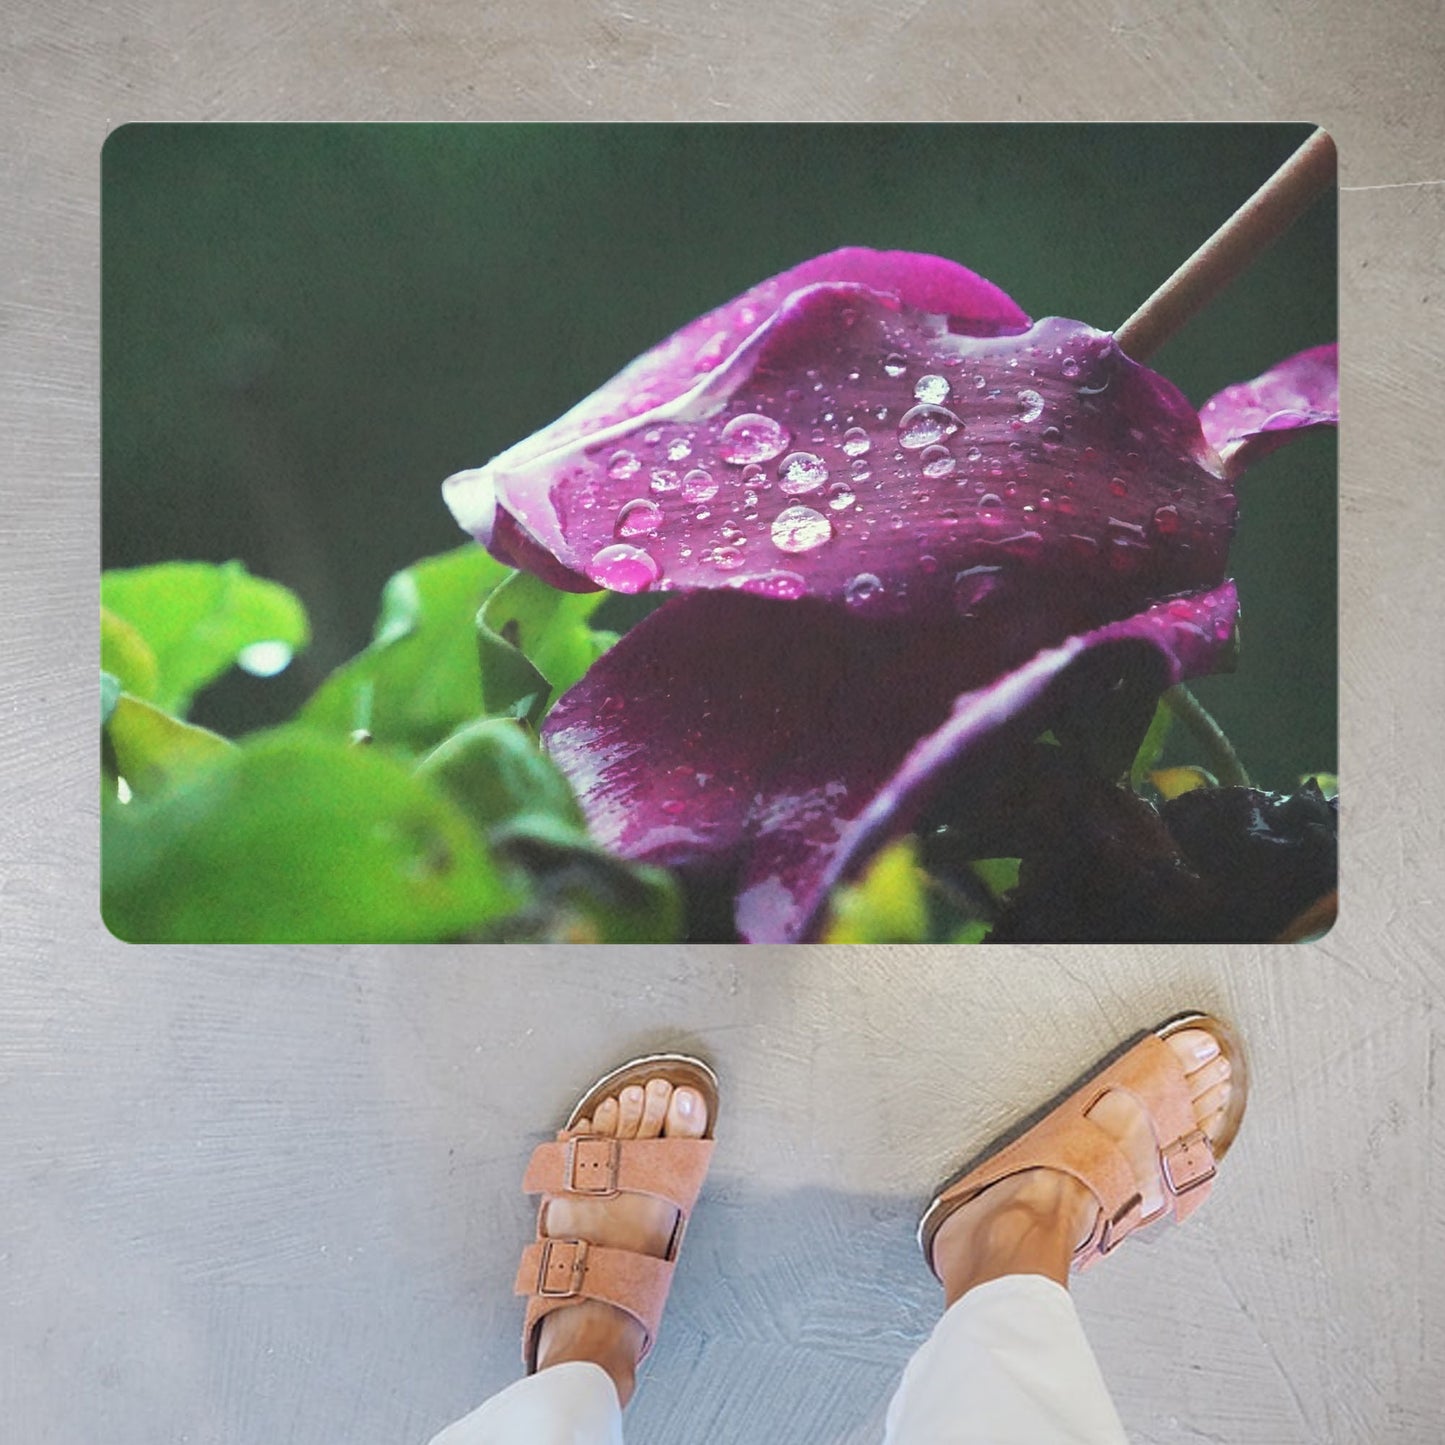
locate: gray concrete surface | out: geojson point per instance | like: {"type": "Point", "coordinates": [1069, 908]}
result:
{"type": "Point", "coordinates": [270, 1196]}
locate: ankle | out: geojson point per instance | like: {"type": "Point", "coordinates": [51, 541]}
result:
{"type": "Point", "coordinates": [596, 1334]}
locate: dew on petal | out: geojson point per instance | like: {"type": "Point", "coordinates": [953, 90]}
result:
{"type": "Point", "coordinates": [800, 529]}
{"type": "Point", "coordinates": [841, 496]}
{"type": "Point", "coordinates": [859, 590]}
{"type": "Point", "coordinates": [664, 480]}
{"type": "Point", "coordinates": [894, 364]}
{"type": "Point", "coordinates": [678, 448]}
{"type": "Point", "coordinates": [937, 462]}
{"type": "Point", "coordinates": [971, 587]}
{"type": "Point", "coordinates": [801, 472]}
{"type": "Point", "coordinates": [623, 568]}
{"type": "Point", "coordinates": [782, 585]}
{"type": "Point", "coordinates": [638, 518]}
{"type": "Point", "coordinates": [1031, 406]}
{"type": "Point", "coordinates": [924, 426]}
{"type": "Point", "coordinates": [728, 557]}
{"type": "Point", "coordinates": [932, 388]}
{"type": "Point", "coordinates": [856, 441]}
{"type": "Point", "coordinates": [623, 465]}
{"type": "Point", "coordinates": [698, 485]}
{"type": "Point", "coordinates": [751, 437]}
{"type": "Point", "coordinates": [1165, 521]}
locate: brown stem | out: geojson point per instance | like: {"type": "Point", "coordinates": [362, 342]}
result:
{"type": "Point", "coordinates": [1233, 248]}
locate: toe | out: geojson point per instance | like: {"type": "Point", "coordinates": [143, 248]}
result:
{"type": "Point", "coordinates": [1206, 1076]}
{"type": "Point", "coordinates": [1194, 1047]}
{"type": "Point", "coordinates": [656, 1098]}
{"type": "Point", "coordinates": [583, 1126]}
{"type": "Point", "coordinates": [686, 1115]}
{"type": "Point", "coordinates": [1211, 1101]}
{"type": "Point", "coordinates": [629, 1115]}
{"type": "Point", "coordinates": [604, 1121]}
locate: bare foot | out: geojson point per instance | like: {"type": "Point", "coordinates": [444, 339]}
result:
{"type": "Point", "coordinates": [591, 1330]}
{"type": "Point", "coordinates": [1031, 1223]}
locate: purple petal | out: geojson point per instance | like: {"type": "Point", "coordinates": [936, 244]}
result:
{"type": "Point", "coordinates": [777, 749]}
{"type": "Point", "coordinates": [1251, 418]}
{"type": "Point", "coordinates": [857, 449]}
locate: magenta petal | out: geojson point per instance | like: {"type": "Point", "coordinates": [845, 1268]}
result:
{"type": "Point", "coordinates": [714, 739]}
{"type": "Point", "coordinates": [1251, 418]}
{"type": "Point", "coordinates": [854, 449]}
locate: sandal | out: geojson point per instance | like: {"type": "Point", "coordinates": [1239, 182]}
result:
{"type": "Point", "coordinates": [1063, 1138]}
{"type": "Point", "coordinates": [556, 1273]}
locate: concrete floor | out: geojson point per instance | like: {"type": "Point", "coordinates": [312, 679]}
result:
{"type": "Point", "coordinates": [272, 1196]}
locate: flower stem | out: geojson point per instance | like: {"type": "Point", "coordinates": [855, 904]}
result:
{"type": "Point", "coordinates": [1233, 248]}
{"type": "Point", "coordinates": [1218, 750]}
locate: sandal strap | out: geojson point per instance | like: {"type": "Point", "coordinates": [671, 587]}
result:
{"type": "Point", "coordinates": [556, 1273]}
{"type": "Point", "coordinates": [597, 1167]}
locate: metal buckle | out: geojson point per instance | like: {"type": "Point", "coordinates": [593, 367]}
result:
{"type": "Point", "coordinates": [1114, 1232]}
{"type": "Point", "coordinates": [592, 1164]}
{"type": "Point", "coordinates": [576, 1267]}
{"type": "Point", "coordinates": [1186, 1155]}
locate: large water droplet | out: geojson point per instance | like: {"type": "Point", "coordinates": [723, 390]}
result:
{"type": "Point", "coordinates": [801, 472]}
{"type": "Point", "coordinates": [698, 485]}
{"type": "Point", "coordinates": [751, 438]}
{"type": "Point", "coordinates": [623, 465]}
{"type": "Point", "coordinates": [728, 556]}
{"type": "Point", "coordinates": [638, 518]}
{"type": "Point", "coordinates": [856, 441]}
{"type": "Point", "coordinates": [924, 426]}
{"type": "Point", "coordinates": [623, 568]}
{"type": "Point", "coordinates": [800, 529]}
{"type": "Point", "coordinates": [937, 462]}
{"type": "Point", "coordinates": [664, 481]}
{"type": "Point", "coordinates": [894, 364]}
{"type": "Point", "coordinates": [1031, 406]}
{"type": "Point", "coordinates": [932, 388]}
{"type": "Point", "coordinates": [860, 590]}
{"type": "Point", "coordinates": [678, 448]}
{"type": "Point", "coordinates": [841, 496]}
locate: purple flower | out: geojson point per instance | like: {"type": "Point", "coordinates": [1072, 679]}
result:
{"type": "Point", "coordinates": [914, 527]}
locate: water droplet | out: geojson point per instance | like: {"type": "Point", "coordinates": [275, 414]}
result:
{"type": "Point", "coordinates": [937, 462]}
{"type": "Point", "coordinates": [971, 587]}
{"type": "Point", "coordinates": [979, 383]}
{"type": "Point", "coordinates": [698, 486]}
{"type": "Point", "coordinates": [623, 465]}
{"type": "Point", "coordinates": [932, 388]}
{"type": "Point", "coordinates": [1119, 487]}
{"type": "Point", "coordinates": [859, 590]}
{"type": "Point", "coordinates": [727, 557]}
{"type": "Point", "coordinates": [678, 448]}
{"type": "Point", "coordinates": [990, 499]}
{"type": "Point", "coordinates": [974, 454]}
{"type": "Point", "coordinates": [664, 481]}
{"type": "Point", "coordinates": [860, 469]}
{"type": "Point", "coordinates": [638, 518]}
{"type": "Point", "coordinates": [856, 441]}
{"type": "Point", "coordinates": [841, 496]}
{"type": "Point", "coordinates": [1031, 406]}
{"type": "Point", "coordinates": [1070, 367]}
{"type": "Point", "coordinates": [623, 569]}
{"type": "Point", "coordinates": [894, 364]}
{"type": "Point", "coordinates": [800, 529]}
{"type": "Point", "coordinates": [923, 426]}
{"type": "Point", "coordinates": [783, 585]}
{"type": "Point", "coordinates": [652, 436]}
{"type": "Point", "coordinates": [801, 472]}
{"type": "Point", "coordinates": [1166, 521]}
{"type": "Point", "coordinates": [750, 500]}
{"type": "Point", "coordinates": [1052, 436]}
{"type": "Point", "coordinates": [751, 438]}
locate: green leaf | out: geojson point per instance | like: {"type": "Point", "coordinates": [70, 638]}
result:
{"type": "Point", "coordinates": [1175, 782]}
{"type": "Point", "coordinates": [495, 771]}
{"type": "Point", "coordinates": [152, 750]}
{"type": "Point", "coordinates": [536, 642]}
{"type": "Point", "coordinates": [198, 620]}
{"type": "Point", "coordinates": [127, 657]}
{"type": "Point", "coordinates": [888, 904]}
{"type": "Point", "coordinates": [998, 875]}
{"type": "Point", "coordinates": [297, 838]}
{"type": "Point", "coordinates": [418, 680]}
{"type": "Point", "coordinates": [1152, 748]}
{"type": "Point", "coordinates": [1327, 783]}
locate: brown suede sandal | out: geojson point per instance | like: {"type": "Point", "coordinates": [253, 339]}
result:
{"type": "Point", "coordinates": [1061, 1137]}
{"type": "Point", "coordinates": [556, 1273]}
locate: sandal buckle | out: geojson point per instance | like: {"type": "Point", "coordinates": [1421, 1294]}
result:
{"type": "Point", "coordinates": [1187, 1163]}
{"type": "Point", "coordinates": [592, 1164]}
{"type": "Point", "coordinates": [1120, 1225]}
{"type": "Point", "coordinates": [557, 1261]}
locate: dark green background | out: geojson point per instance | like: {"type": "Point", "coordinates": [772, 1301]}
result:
{"type": "Point", "coordinates": [305, 328]}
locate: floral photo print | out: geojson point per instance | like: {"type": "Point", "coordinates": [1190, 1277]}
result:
{"type": "Point", "coordinates": [867, 605]}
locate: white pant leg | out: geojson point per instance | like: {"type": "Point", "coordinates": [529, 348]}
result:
{"type": "Point", "coordinates": [571, 1404]}
{"type": "Point", "coordinates": [1007, 1364]}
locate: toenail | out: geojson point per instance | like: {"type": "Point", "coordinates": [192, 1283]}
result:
{"type": "Point", "coordinates": [632, 1094]}
{"type": "Point", "coordinates": [686, 1103]}
{"type": "Point", "coordinates": [656, 1086]}
{"type": "Point", "coordinates": [1206, 1048]}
